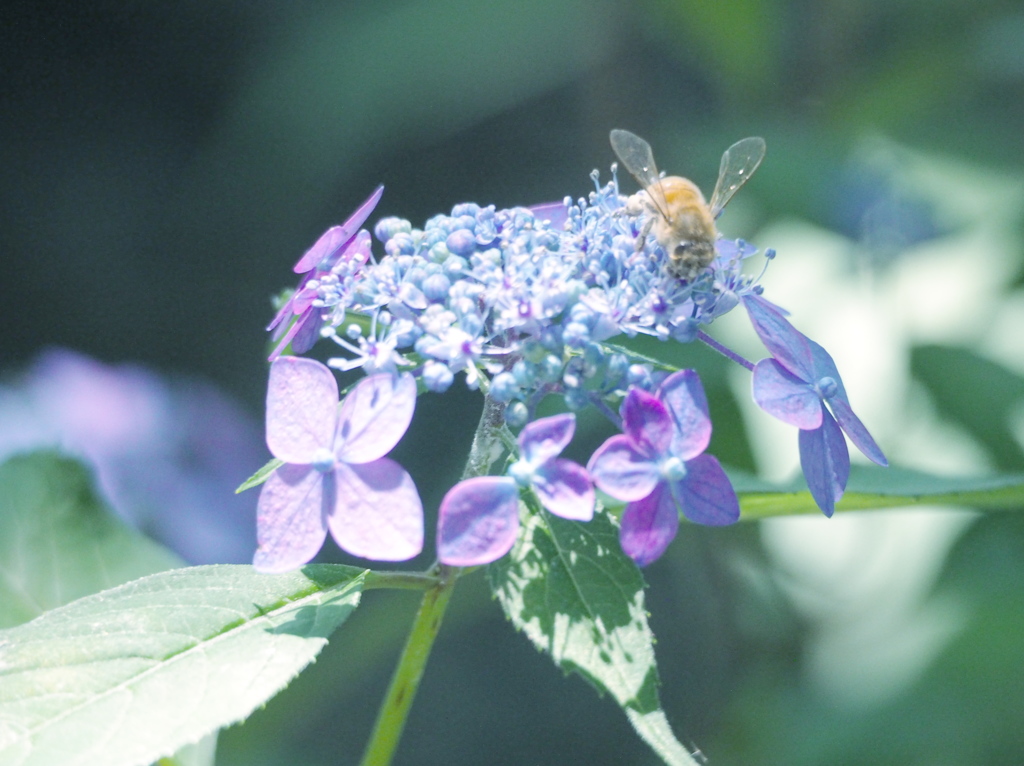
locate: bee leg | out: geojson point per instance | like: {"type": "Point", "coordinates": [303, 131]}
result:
{"type": "Point", "coordinates": [641, 238]}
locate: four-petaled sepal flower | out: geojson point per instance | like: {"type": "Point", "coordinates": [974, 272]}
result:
{"type": "Point", "coordinates": [479, 517]}
{"type": "Point", "coordinates": [799, 386]}
{"type": "Point", "coordinates": [335, 475]}
{"type": "Point", "coordinates": [657, 465]}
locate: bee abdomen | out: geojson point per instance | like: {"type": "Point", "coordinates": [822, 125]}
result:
{"type": "Point", "coordinates": [689, 259]}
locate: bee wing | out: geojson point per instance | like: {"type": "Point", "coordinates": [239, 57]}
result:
{"type": "Point", "coordinates": [636, 155]}
{"type": "Point", "coordinates": [738, 164]}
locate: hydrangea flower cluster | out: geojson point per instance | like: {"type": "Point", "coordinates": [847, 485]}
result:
{"type": "Point", "coordinates": [523, 302]}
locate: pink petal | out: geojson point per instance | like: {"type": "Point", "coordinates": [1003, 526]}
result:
{"type": "Point", "coordinates": [378, 513]}
{"type": "Point", "coordinates": [683, 396]}
{"type": "Point", "coordinates": [290, 518]}
{"type": "Point", "coordinates": [564, 488]}
{"type": "Point", "coordinates": [706, 494]}
{"type": "Point", "coordinates": [646, 421]}
{"type": "Point", "coordinates": [621, 470]}
{"type": "Point", "coordinates": [336, 237]}
{"type": "Point", "coordinates": [649, 525]}
{"type": "Point", "coordinates": [785, 396]}
{"type": "Point", "coordinates": [478, 521]}
{"type": "Point", "coordinates": [375, 416]}
{"type": "Point", "coordinates": [545, 438]}
{"type": "Point", "coordinates": [825, 460]}
{"type": "Point", "coordinates": [302, 405]}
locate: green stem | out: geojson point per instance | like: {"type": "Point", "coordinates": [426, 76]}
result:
{"type": "Point", "coordinates": [439, 583]}
{"type": "Point", "coordinates": [406, 680]}
{"type": "Point", "coordinates": [400, 580]}
{"type": "Point", "coordinates": [487, 444]}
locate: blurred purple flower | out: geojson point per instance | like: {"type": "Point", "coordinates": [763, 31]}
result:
{"type": "Point", "coordinates": [339, 244]}
{"type": "Point", "coordinates": [479, 517]}
{"type": "Point", "coordinates": [799, 386]}
{"type": "Point", "coordinates": [335, 474]}
{"type": "Point", "coordinates": [168, 452]}
{"type": "Point", "coordinates": [657, 465]}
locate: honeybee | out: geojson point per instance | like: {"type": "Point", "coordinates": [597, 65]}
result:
{"type": "Point", "coordinates": [682, 222]}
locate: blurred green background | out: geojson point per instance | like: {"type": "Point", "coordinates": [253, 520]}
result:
{"type": "Point", "coordinates": [164, 164]}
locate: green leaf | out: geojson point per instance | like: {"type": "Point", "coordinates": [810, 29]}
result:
{"type": "Point", "coordinates": [202, 753]}
{"type": "Point", "coordinates": [261, 475]}
{"type": "Point", "coordinates": [58, 540]}
{"type": "Point", "coordinates": [135, 673]}
{"type": "Point", "coordinates": [579, 598]}
{"type": "Point", "coordinates": [872, 488]}
{"type": "Point", "coordinates": [977, 394]}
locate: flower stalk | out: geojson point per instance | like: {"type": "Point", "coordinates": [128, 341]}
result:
{"type": "Point", "coordinates": [387, 731]}
{"type": "Point", "coordinates": [406, 680]}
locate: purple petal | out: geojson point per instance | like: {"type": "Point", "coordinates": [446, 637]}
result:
{"type": "Point", "coordinates": [329, 243]}
{"type": "Point", "coordinates": [303, 334]}
{"type": "Point", "coordinates": [824, 366]}
{"type": "Point", "coordinates": [332, 240]}
{"type": "Point", "coordinates": [826, 463]}
{"type": "Point", "coordinates": [378, 513]}
{"type": "Point", "coordinates": [646, 421]}
{"type": "Point", "coordinates": [785, 342]}
{"type": "Point", "coordinates": [290, 518]}
{"type": "Point", "coordinates": [284, 311]}
{"type": "Point", "coordinates": [649, 525]}
{"type": "Point", "coordinates": [728, 249]}
{"type": "Point", "coordinates": [545, 438]}
{"type": "Point", "coordinates": [478, 521]}
{"type": "Point", "coordinates": [840, 404]}
{"type": "Point", "coordinates": [375, 416]}
{"type": "Point", "coordinates": [303, 299]}
{"type": "Point", "coordinates": [302, 406]}
{"type": "Point", "coordinates": [621, 470]}
{"type": "Point", "coordinates": [308, 332]}
{"type": "Point", "coordinates": [564, 488]}
{"type": "Point", "coordinates": [552, 212]}
{"type": "Point", "coordinates": [285, 339]}
{"type": "Point", "coordinates": [856, 431]}
{"type": "Point", "coordinates": [358, 250]}
{"type": "Point", "coordinates": [683, 397]}
{"type": "Point", "coordinates": [785, 396]}
{"type": "Point", "coordinates": [706, 494]}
